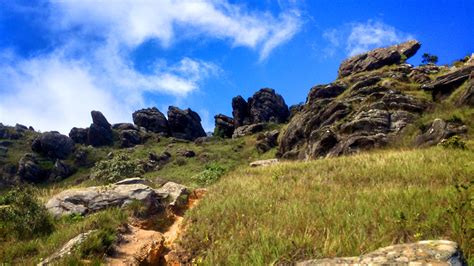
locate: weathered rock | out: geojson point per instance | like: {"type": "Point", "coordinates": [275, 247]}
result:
{"type": "Point", "coordinates": [248, 130]}
{"type": "Point", "coordinates": [177, 194]}
{"type": "Point", "coordinates": [325, 91]}
{"type": "Point", "coordinates": [262, 163]}
{"type": "Point", "coordinates": [224, 126]}
{"type": "Point", "coordinates": [296, 108]}
{"type": "Point", "coordinates": [378, 58]}
{"type": "Point", "coordinates": [129, 138]}
{"type": "Point", "coordinates": [60, 171]}
{"type": "Point", "coordinates": [125, 126]}
{"type": "Point", "coordinates": [428, 252]}
{"type": "Point", "coordinates": [187, 153]}
{"type": "Point", "coordinates": [3, 151]}
{"type": "Point", "coordinates": [467, 98]}
{"type": "Point", "coordinates": [53, 144]}
{"type": "Point", "coordinates": [29, 169]}
{"type": "Point", "coordinates": [100, 132]}
{"type": "Point", "coordinates": [185, 124]}
{"type": "Point", "coordinates": [440, 130]}
{"type": "Point", "coordinates": [133, 181]}
{"type": "Point", "coordinates": [79, 135]}
{"type": "Point", "coordinates": [445, 84]}
{"type": "Point", "coordinates": [421, 74]}
{"type": "Point", "coordinates": [67, 249]}
{"type": "Point", "coordinates": [151, 119]}
{"type": "Point", "coordinates": [85, 201]}
{"type": "Point", "coordinates": [267, 106]}
{"type": "Point", "coordinates": [240, 111]}
{"type": "Point", "coordinates": [267, 140]}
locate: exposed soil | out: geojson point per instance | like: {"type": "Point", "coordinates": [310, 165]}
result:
{"type": "Point", "coordinates": [140, 246]}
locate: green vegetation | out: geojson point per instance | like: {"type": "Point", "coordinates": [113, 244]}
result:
{"type": "Point", "coordinates": [334, 207]}
{"type": "Point", "coordinates": [429, 59]}
{"type": "Point", "coordinates": [115, 169]}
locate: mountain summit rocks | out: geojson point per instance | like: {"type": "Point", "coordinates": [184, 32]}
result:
{"type": "Point", "coordinates": [378, 58]}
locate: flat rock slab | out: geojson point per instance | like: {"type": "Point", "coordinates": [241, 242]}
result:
{"type": "Point", "coordinates": [92, 199]}
{"type": "Point", "coordinates": [264, 163]}
{"type": "Point", "coordinates": [428, 252]}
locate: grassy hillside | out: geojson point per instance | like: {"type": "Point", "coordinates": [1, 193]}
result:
{"type": "Point", "coordinates": [335, 207]}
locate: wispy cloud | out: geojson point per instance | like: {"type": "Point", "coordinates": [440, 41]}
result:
{"type": "Point", "coordinates": [92, 69]}
{"type": "Point", "coordinates": [355, 38]}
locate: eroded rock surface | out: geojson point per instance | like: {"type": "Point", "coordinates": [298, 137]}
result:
{"type": "Point", "coordinates": [224, 126]}
{"type": "Point", "coordinates": [100, 131]}
{"type": "Point", "coordinates": [185, 124]}
{"type": "Point", "coordinates": [445, 84]}
{"type": "Point", "coordinates": [440, 130]}
{"type": "Point", "coordinates": [429, 252]}
{"type": "Point", "coordinates": [151, 119]}
{"type": "Point", "coordinates": [53, 144]}
{"type": "Point", "coordinates": [378, 58]}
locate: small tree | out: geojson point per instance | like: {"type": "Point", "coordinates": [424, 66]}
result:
{"type": "Point", "coordinates": [429, 59]}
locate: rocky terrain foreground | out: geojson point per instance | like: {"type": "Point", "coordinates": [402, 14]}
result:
{"type": "Point", "coordinates": [373, 168]}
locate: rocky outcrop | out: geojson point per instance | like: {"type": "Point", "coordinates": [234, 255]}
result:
{"type": "Point", "coordinates": [266, 141]}
{"type": "Point", "coordinates": [53, 144]}
{"type": "Point", "coordinates": [445, 84]}
{"type": "Point", "coordinates": [67, 249]}
{"type": "Point", "coordinates": [29, 169]}
{"type": "Point", "coordinates": [263, 163]}
{"type": "Point", "coordinates": [263, 107]}
{"type": "Point", "coordinates": [378, 58]}
{"type": "Point", "coordinates": [429, 252]}
{"type": "Point", "coordinates": [248, 130]}
{"type": "Point", "coordinates": [224, 126]}
{"type": "Point", "coordinates": [79, 135]}
{"type": "Point", "coordinates": [152, 120]}
{"type": "Point", "coordinates": [467, 97]}
{"type": "Point", "coordinates": [440, 130]}
{"type": "Point", "coordinates": [129, 138]}
{"type": "Point", "coordinates": [368, 115]}
{"type": "Point", "coordinates": [60, 171]}
{"type": "Point", "coordinates": [100, 132]}
{"type": "Point", "coordinates": [85, 201]}
{"type": "Point", "coordinates": [296, 108]}
{"type": "Point", "coordinates": [240, 111]}
{"type": "Point", "coordinates": [185, 124]}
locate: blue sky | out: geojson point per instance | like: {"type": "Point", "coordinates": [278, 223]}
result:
{"type": "Point", "coordinates": [59, 59]}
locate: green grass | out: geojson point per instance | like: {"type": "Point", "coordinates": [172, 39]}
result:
{"type": "Point", "coordinates": [333, 207]}
{"type": "Point", "coordinates": [30, 252]}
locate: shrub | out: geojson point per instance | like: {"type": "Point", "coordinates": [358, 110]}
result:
{"type": "Point", "coordinates": [115, 169]}
{"type": "Point", "coordinates": [22, 216]}
{"type": "Point", "coordinates": [454, 142]}
{"type": "Point", "coordinates": [210, 175]}
{"type": "Point", "coordinates": [98, 243]}
{"type": "Point", "coordinates": [429, 59]}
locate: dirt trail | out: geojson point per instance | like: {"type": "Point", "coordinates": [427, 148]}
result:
{"type": "Point", "coordinates": [150, 246]}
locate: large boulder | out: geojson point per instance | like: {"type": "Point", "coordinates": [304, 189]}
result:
{"type": "Point", "coordinates": [224, 126]}
{"type": "Point", "coordinates": [378, 58]}
{"type": "Point", "coordinates": [53, 144]}
{"type": "Point", "coordinates": [267, 141]}
{"type": "Point", "coordinates": [267, 106]}
{"type": "Point", "coordinates": [60, 171]}
{"type": "Point", "coordinates": [185, 124]}
{"type": "Point", "coordinates": [428, 252]}
{"type": "Point", "coordinates": [100, 132]}
{"type": "Point", "coordinates": [445, 84]}
{"type": "Point", "coordinates": [129, 138]}
{"type": "Point", "coordinates": [151, 119]}
{"type": "Point", "coordinates": [440, 130]}
{"type": "Point", "coordinates": [240, 111]}
{"type": "Point", "coordinates": [79, 135]}
{"type": "Point", "coordinates": [85, 201]}
{"type": "Point", "coordinates": [263, 107]}
{"type": "Point", "coordinates": [29, 169]}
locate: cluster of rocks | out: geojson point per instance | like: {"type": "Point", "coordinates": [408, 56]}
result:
{"type": "Point", "coordinates": [98, 134]}
{"type": "Point", "coordinates": [182, 124]}
{"type": "Point", "coordinates": [365, 108]}
{"type": "Point", "coordinates": [427, 252]}
{"type": "Point", "coordinates": [13, 133]}
{"type": "Point", "coordinates": [265, 106]}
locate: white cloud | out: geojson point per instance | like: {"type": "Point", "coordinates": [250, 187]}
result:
{"type": "Point", "coordinates": [356, 38]}
{"type": "Point", "coordinates": [91, 70]}
{"type": "Point", "coordinates": [133, 21]}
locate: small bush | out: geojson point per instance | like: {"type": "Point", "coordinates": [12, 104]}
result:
{"type": "Point", "coordinates": [210, 175]}
{"type": "Point", "coordinates": [115, 169]}
{"type": "Point", "coordinates": [454, 142]}
{"type": "Point", "coordinates": [98, 243]}
{"type": "Point", "coordinates": [22, 216]}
